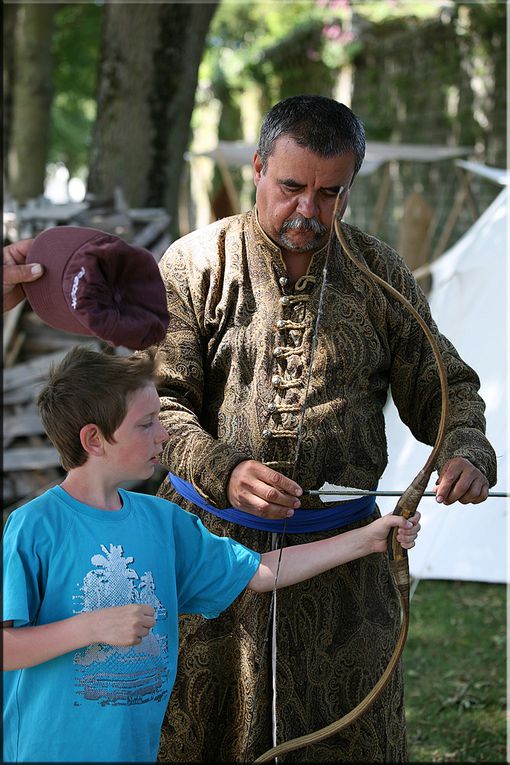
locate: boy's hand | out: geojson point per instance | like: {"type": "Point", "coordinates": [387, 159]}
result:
{"type": "Point", "coordinates": [122, 625]}
{"type": "Point", "coordinates": [406, 535]}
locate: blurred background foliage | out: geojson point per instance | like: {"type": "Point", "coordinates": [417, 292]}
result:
{"type": "Point", "coordinates": [415, 72]}
{"type": "Point", "coordinates": [76, 58]}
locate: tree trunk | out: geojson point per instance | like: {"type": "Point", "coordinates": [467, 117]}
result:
{"type": "Point", "coordinates": [31, 101]}
{"type": "Point", "coordinates": [10, 13]}
{"type": "Point", "coordinates": [147, 82]}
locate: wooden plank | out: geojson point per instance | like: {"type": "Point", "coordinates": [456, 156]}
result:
{"type": "Point", "coordinates": [161, 246]}
{"type": "Point", "coordinates": [42, 339]}
{"type": "Point", "coordinates": [27, 486]}
{"type": "Point", "coordinates": [25, 374]}
{"type": "Point", "coordinates": [11, 319]}
{"type": "Point", "coordinates": [39, 344]}
{"type": "Point", "coordinates": [228, 182]}
{"type": "Point", "coordinates": [22, 395]}
{"type": "Point", "coordinates": [146, 214]}
{"type": "Point", "coordinates": [25, 424]}
{"type": "Point", "coordinates": [12, 353]}
{"type": "Point", "coordinates": [49, 212]}
{"type": "Point", "coordinates": [151, 231]}
{"type": "Point", "coordinates": [29, 371]}
{"type": "Point", "coordinates": [28, 458]}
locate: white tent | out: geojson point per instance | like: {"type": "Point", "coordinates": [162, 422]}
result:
{"type": "Point", "coordinates": [468, 300]}
{"type": "Point", "coordinates": [238, 153]}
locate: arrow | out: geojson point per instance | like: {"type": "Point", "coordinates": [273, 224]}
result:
{"type": "Point", "coordinates": [366, 493]}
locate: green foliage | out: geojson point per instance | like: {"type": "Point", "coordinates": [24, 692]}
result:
{"type": "Point", "coordinates": [455, 667]}
{"type": "Point", "coordinates": [76, 49]}
{"type": "Point", "coordinates": [288, 47]}
{"type": "Point", "coordinates": [281, 48]}
{"type": "Point", "coordinates": [381, 10]}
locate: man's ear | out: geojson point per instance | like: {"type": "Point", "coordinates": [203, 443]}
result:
{"type": "Point", "coordinates": [92, 440]}
{"type": "Point", "coordinates": [257, 168]}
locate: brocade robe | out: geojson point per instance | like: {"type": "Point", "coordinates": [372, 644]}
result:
{"type": "Point", "coordinates": [237, 371]}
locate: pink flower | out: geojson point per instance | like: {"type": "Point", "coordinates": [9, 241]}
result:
{"type": "Point", "coordinates": [332, 31]}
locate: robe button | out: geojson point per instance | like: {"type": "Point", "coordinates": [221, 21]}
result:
{"type": "Point", "coordinates": [280, 323]}
{"type": "Point", "coordinates": [285, 300]}
{"type": "Point", "coordinates": [267, 434]}
{"type": "Point", "coordinates": [277, 351]}
{"type": "Point", "coordinates": [276, 380]}
{"type": "Point", "coordinates": [283, 281]}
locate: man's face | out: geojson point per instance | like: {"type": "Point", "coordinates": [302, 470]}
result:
{"type": "Point", "coordinates": [296, 195]}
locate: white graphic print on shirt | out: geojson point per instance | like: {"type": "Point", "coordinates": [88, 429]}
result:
{"type": "Point", "coordinates": [121, 674]}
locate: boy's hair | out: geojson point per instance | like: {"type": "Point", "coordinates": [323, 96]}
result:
{"type": "Point", "coordinates": [90, 387]}
{"type": "Point", "coordinates": [322, 125]}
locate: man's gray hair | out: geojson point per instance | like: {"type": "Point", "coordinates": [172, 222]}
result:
{"type": "Point", "coordinates": [320, 124]}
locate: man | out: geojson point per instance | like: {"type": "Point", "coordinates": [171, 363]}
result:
{"type": "Point", "coordinates": [278, 360]}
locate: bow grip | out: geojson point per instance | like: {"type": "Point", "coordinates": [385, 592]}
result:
{"type": "Point", "coordinates": [406, 507]}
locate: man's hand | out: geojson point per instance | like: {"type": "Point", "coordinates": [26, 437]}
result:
{"type": "Point", "coordinates": [460, 481]}
{"type": "Point", "coordinates": [15, 272]}
{"type": "Point", "coordinates": [256, 489]}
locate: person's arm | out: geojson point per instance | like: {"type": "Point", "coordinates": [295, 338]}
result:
{"type": "Point", "coordinates": [15, 272]}
{"type": "Point", "coordinates": [301, 562]}
{"type": "Point", "coordinates": [119, 625]}
{"type": "Point", "coordinates": [222, 475]}
{"type": "Point", "coordinates": [190, 452]}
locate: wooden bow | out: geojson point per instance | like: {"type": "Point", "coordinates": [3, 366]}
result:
{"type": "Point", "coordinates": [406, 506]}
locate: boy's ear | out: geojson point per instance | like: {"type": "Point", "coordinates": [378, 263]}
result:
{"type": "Point", "coordinates": [92, 439]}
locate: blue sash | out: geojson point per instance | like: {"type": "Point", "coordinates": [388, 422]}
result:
{"type": "Point", "coordinates": [321, 519]}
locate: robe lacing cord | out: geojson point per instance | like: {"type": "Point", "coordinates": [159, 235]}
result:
{"type": "Point", "coordinates": [283, 351]}
{"type": "Point", "coordinates": [289, 324]}
{"type": "Point", "coordinates": [291, 299]}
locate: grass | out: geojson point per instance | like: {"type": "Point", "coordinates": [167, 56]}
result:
{"type": "Point", "coordinates": [455, 673]}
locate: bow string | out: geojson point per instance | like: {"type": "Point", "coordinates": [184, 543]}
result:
{"type": "Point", "coordinates": [406, 505]}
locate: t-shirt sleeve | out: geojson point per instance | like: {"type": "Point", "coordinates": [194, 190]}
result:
{"type": "Point", "coordinates": [211, 571]}
{"type": "Point", "coordinates": [21, 573]}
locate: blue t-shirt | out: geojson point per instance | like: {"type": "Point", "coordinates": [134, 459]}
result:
{"type": "Point", "coordinates": [61, 557]}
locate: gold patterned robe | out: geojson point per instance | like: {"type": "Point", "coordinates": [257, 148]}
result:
{"type": "Point", "coordinates": [236, 360]}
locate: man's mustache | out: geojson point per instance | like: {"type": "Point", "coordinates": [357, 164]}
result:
{"type": "Point", "coordinates": [304, 224]}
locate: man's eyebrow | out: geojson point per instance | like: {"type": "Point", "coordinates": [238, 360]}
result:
{"type": "Point", "coordinates": [334, 189]}
{"type": "Point", "coordinates": [290, 182]}
{"type": "Point", "coordinates": [297, 185]}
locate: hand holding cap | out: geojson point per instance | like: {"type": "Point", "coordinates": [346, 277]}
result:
{"type": "Point", "coordinates": [97, 284]}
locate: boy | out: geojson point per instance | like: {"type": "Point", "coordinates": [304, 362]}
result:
{"type": "Point", "coordinates": [95, 576]}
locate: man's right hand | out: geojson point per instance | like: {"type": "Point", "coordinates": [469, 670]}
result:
{"type": "Point", "coordinates": [259, 490]}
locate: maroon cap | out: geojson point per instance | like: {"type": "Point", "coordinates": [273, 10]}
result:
{"type": "Point", "coordinates": [96, 284]}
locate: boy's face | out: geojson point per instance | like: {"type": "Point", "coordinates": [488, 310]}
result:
{"type": "Point", "coordinates": [139, 438]}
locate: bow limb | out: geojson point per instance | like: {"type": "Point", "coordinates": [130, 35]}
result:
{"type": "Point", "coordinates": [406, 506]}
{"type": "Point", "coordinates": [346, 720]}
{"type": "Point", "coordinates": [410, 499]}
